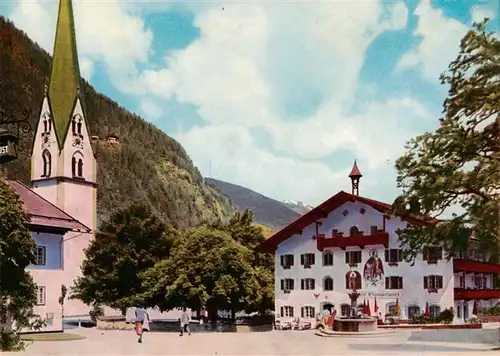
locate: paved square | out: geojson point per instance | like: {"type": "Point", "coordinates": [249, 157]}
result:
{"type": "Point", "coordinates": [265, 343]}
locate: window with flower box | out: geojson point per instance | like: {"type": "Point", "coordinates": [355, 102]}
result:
{"type": "Point", "coordinates": [307, 260]}
{"type": "Point", "coordinates": [393, 256]}
{"type": "Point", "coordinates": [352, 258]}
{"type": "Point", "coordinates": [286, 261]}
{"type": "Point", "coordinates": [287, 285]}
{"type": "Point", "coordinates": [433, 283]}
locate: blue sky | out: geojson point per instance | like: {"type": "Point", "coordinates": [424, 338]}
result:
{"type": "Point", "coordinates": [279, 97]}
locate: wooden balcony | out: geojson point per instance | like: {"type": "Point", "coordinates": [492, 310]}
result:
{"type": "Point", "coordinates": [470, 266]}
{"type": "Point", "coordinates": [378, 238]}
{"type": "Point", "coordinates": [476, 294]}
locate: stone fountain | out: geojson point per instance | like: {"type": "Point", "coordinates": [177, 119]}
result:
{"type": "Point", "coordinates": [355, 322]}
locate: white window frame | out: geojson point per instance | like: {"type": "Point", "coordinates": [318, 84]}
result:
{"type": "Point", "coordinates": [43, 260]}
{"type": "Point", "coordinates": [288, 311]}
{"type": "Point", "coordinates": [309, 311]}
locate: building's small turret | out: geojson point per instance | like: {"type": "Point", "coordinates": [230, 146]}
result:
{"type": "Point", "coordinates": [355, 176]}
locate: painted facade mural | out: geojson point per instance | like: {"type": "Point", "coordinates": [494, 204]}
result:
{"type": "Point", "coordinates": [373, 271]}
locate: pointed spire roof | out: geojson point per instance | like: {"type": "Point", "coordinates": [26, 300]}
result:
{"type": "Point", "coordinates": [355, 171]}
{"type": "Point", "coordinates": [65, 72]}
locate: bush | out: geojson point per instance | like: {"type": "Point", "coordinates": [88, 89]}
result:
{"type": "Point", "coordinates": [493, 311]}
{"type": "Point", "coordinates": [445, 317]}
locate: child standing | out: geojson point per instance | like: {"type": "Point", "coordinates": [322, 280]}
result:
{"type": "Point", "coordinates": [184, 322]}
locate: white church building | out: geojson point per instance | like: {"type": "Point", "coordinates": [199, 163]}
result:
{"type": "Point", "coordinates": [316, 253]}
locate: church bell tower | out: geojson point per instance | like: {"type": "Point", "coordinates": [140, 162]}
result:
{"type": "Point", "coordinates": [355, 176]}
{"type": "Point", "coordinates": [63, 165]}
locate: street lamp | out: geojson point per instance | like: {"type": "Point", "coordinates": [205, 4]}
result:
{"type": "Point", "coordinates": [10, 145]}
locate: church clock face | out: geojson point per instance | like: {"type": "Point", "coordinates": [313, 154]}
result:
{"type": "Point", "coordinates": [77, 142]}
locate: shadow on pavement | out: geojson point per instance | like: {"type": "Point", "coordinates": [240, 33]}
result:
{"type": "Point", "coordinates": [411, 348]}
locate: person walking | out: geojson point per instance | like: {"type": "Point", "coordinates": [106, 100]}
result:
{"type": "Point", "coordinates": [141, 321]}
{"type": "Point", "coordinates": [184, 319]}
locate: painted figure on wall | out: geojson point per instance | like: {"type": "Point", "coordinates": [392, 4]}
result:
{"type": "Point", "coordinates": [374, 269]}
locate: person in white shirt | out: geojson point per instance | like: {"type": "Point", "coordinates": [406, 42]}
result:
{"type": "Point", "coordinates": [184, 319]}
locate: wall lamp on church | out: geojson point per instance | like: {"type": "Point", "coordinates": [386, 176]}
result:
{"type": "Point", "coordinates": [11, 128]}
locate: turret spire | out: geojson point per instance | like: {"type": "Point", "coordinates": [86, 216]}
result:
{"type": "Point", "coordinates": [355, 176]}
{"type": "Point", "coordinates": [65, 73]}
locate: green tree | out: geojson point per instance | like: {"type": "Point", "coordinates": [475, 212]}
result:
{"type": "Point", "coordinates": [130, 242]}
{"type": "Point", "coordinates": [207, 268]}
{"type": "Point", "coordinates": [459, 163]}
{"type": "Point", "coordinates": [17, 289]}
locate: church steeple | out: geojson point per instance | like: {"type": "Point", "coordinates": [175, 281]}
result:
{"type": "Point", "coordinates": [64, 80]}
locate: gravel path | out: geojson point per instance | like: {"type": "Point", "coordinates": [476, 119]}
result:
{"type": "Point", "coordinates": [113, 343]}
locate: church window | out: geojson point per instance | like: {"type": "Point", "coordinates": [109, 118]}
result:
{"type": "Point", "coordinates": [47, 163]}
{"type": "Point", "coordinates": [328, 283]}
{"type": "Point", "coordinates": [80, 167]}
{"type": "Point", "coordinates": [73, 127]}
{"type": "Point", "coordinates": [328, 258]}
{"type": "Point", "coordinates": [77, 165]}
{"type": "Point", "coordinates": [353, 231]}
{"type": "Point", "coordinates": [79, 126]}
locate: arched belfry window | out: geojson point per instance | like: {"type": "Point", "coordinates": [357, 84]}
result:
{"type": "Point", "coordinates": [353, 231]}
{"type": "Point", "coordinates": [80, 167]}
{"type": "Point", "coordinates": [76, 125]}
{"type": "Point", "coordinates": [77, 165]}
{"type": "Point", "coordinates": [47, 163]}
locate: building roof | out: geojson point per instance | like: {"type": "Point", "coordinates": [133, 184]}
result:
{"type": "Point", "coordinates": [65, 72]}
{"type": "Point", "coordinates": [322, 210]}
{"type": "Point", "coordinates": [355, 171]}
{"type": "Point", "coordinates": [44, 213]}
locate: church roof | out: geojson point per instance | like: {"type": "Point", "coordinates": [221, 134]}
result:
{"type": "Point", "coordinates": [65, 72]}
{"type": "Point", "coordinates": [325, 208]}
{"type": "Point", "coordinates": [43, 213]}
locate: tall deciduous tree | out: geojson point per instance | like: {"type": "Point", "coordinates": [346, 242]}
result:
{"type": "Point", "coordinates": [17, 289]}
{"type": "Point", "coordinates": [459, 163]}
{"type": "Point", "coordinates": [207, 268]}
{"type": "Point", "coordinates": [130, 242]}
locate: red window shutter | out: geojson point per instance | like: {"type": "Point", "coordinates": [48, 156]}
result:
{"type": "Point", "coordinates": [386, 256]}
{"type": "Point", "coordinates": [387, 286]}
{"type": "Point", "coordinates": [302, 258]}
{"type": "Point", "coordinates": [426, 282]}
{"type": "Point", "coordinates": [282, 284]}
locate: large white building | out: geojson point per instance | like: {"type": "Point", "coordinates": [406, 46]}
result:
{"type": "Point", "coordinates": [316, 253]}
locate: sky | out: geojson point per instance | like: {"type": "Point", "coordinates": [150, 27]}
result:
{"type": "Point", "coordinates": [276, 96]}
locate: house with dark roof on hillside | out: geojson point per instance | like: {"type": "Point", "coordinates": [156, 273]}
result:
{"type": "Point", "coordinates": [348, 235]}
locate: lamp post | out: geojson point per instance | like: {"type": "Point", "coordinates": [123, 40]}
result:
{"type": "Point", "coordinates": [10, 130]}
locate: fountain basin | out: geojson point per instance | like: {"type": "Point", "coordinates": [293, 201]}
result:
{"type": "Point", "coordinates": [355, 324]}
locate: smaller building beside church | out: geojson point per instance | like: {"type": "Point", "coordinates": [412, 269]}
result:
{"type": "Point", "coordinates": [316, 253]}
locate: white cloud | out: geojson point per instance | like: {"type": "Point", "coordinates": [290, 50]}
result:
{"type": "Point", "coordinates": [251, 61]}
{"type": "Point", "coordinates": [479, 13]}
{"type": "Point", "coordinates": [151, 109]}
{"type": "Point", "coordinates": [440, 41]}
{"type": "Point", "coordinates": [106, 32]}
{"type": "Point", "coordinates": [86, 68]}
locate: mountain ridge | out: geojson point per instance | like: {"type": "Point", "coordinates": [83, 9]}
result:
{"type": "Point", "coordinates": [267, 211]}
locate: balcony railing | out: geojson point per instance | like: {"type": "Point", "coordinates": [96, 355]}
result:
{"type": "Point", "coordinates": [378, 238]}
{"type": "Point", "coordinates": [476, 294]}
{"type": "Point", "coordinates": [470, 266]}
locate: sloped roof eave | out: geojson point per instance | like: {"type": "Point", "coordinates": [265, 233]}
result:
{"type": "Point", "coordinates": [326, 207]}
